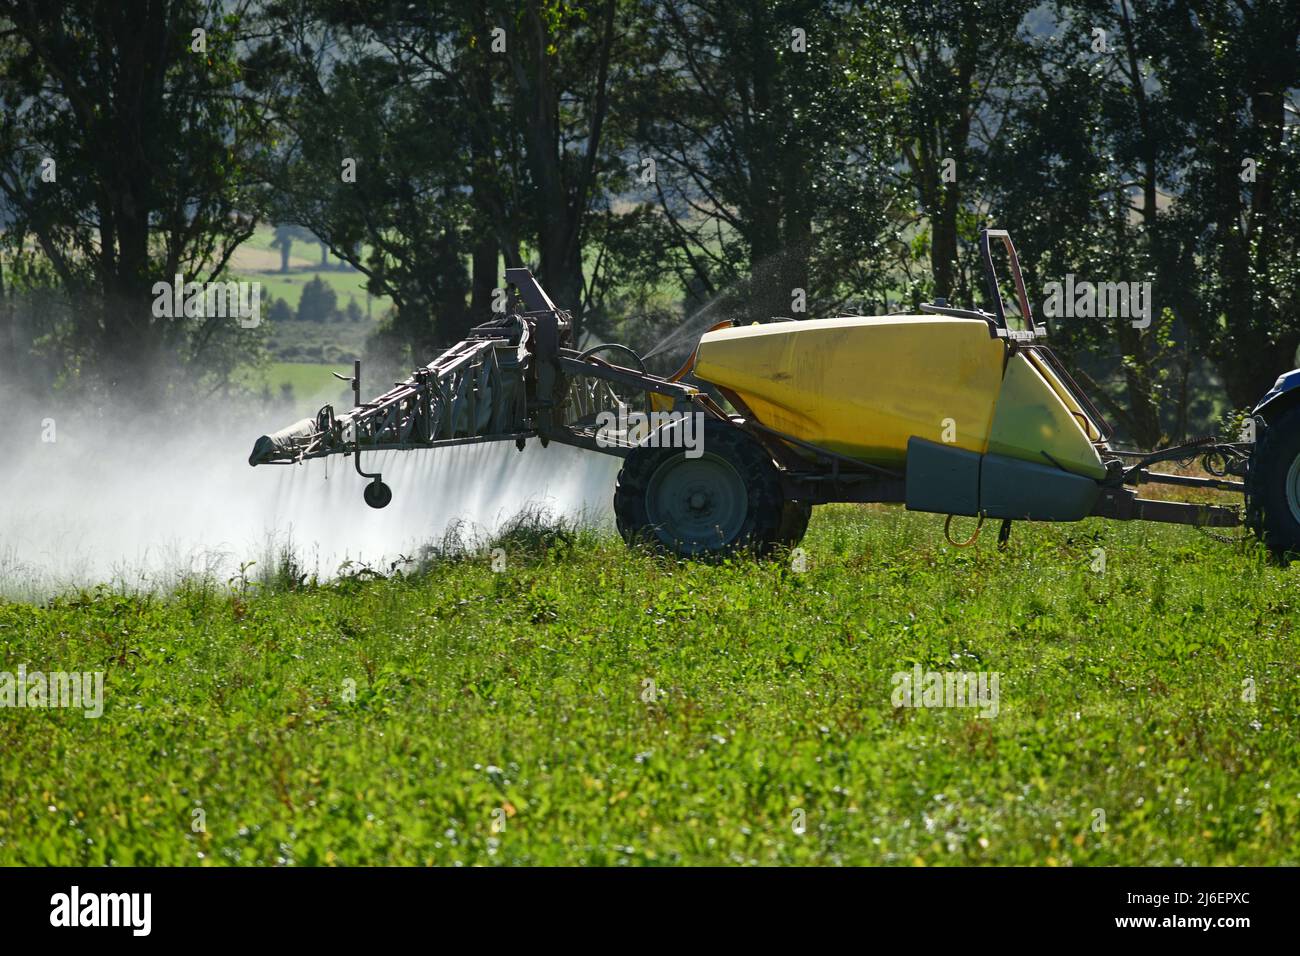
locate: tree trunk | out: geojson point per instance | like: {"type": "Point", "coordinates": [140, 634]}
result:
{"type": "Point", "coordinates": [943, 242]}
{"type": "Point", "coordinates": [561, 195]}
{"type": "Point", "coordinates": [486, 277]}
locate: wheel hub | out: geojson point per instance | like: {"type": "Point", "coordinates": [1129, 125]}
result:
{"type": "Point", "coordinates": [697, 504]}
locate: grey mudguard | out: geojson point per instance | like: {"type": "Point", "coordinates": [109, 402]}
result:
{"type": "Point", "coordinates": [949, 480]}
{"type": "Point", "coordinates": [1011, 488]}
{"type": "Point", "coordinates": [941, 478]}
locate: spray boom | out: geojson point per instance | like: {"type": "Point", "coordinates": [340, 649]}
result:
{"type": "Point", "coordinates": [511, 379]}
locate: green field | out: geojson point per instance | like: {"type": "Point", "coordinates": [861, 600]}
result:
{"type": "Point", "coordinates": [589, 704]}
{"type": "Point", "coordinates": [309, 382]}
{"type": "Point", "coordinates": [288, 286]}
{"type": "Point", "coordinates": [346, 283]}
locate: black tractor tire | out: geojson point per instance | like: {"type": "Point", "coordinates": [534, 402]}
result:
{"type": "Point", "coordinates": [1273, 485]}
{"type": "Point", "coordinates": [725, 501]}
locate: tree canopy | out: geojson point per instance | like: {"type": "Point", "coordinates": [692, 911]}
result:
{"type": "Point", "coordinates": [659, 163]}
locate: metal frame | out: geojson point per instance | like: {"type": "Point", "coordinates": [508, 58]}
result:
{"type": "Point", "coordinates": [513, 379]}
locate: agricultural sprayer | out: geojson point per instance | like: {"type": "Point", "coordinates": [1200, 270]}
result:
{"type": "Point", "coordinates": [950, 410]}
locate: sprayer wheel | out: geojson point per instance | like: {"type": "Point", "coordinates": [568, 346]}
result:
{"type": "Point", "coordinates": [727, 499]}
{"type": "Point", "coordinates": [377, 494]}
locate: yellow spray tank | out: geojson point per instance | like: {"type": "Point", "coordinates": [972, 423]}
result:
{"type": "Point", "coordinates": [865, 386]}
{"type": "Point", "coordinates": [975, 417]}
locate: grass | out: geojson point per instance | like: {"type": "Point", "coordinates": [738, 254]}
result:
{"type": "Point", "coordinates": [319, 343]}
{"type": "Point", "coordinates": [591, 704]}
{"type": "Point", "coordinates": [288, 286]}
{"type": "Point", "coordinates": [263, 265]}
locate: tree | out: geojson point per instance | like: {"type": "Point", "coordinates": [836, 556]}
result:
{"type": "Point", "coordinates": [956, 60]}
{"type": "Point", "coordinates": [764, 125]}
{"type": "Point", "coordinates": [126, 141]}
{"type": "Point", "coordinates": [1235, 224]}
{"type": "Point", "coordinates": [279, 312]}
{"type": "Point", "coordinates": [1125, 155]}
{"type": "Point", "coordinates": [521, 97]}
{"type": "Point", "coordinates": [560, 62]}
{"type": "Point", "coordinates": [319, 302]}
{"type": "Point", "coordinates": [285, 236]}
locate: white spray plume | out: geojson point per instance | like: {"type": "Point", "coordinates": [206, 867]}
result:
{"type": "Point", "coordinates": [140, 507]}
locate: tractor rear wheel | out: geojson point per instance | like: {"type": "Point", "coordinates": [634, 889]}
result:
{"type": "Point", "coordinates": [727, 499]}
{"type": "Point", "coordinates": [1273, 485]}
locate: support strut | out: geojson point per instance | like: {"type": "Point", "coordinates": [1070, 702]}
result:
{"type": "Point", "coordinates": [377, 494]}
